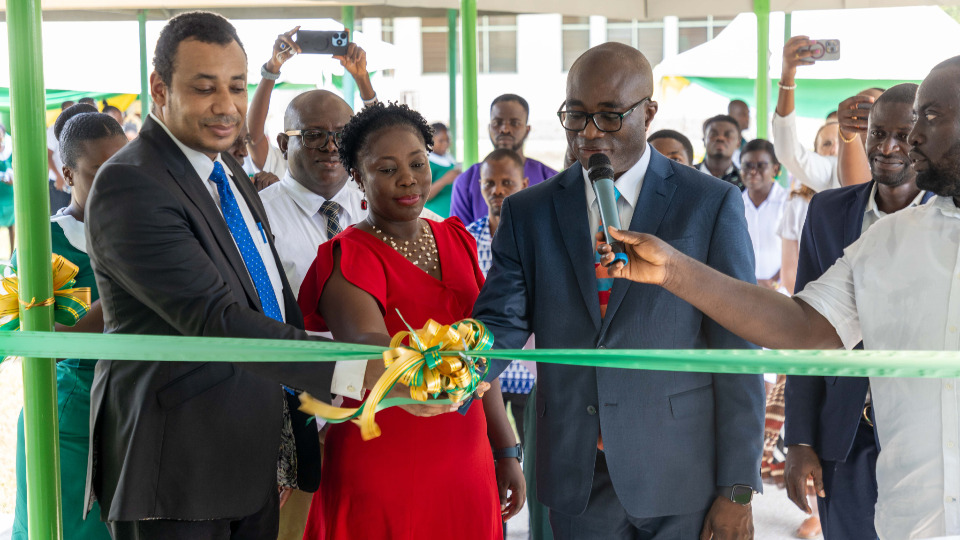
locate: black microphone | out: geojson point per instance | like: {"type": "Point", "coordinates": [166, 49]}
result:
{"type": "Point", "coordinates": [600, 173]}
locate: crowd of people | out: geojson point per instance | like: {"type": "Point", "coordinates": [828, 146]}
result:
{"type": "Point", "coordinates": [350, 226]}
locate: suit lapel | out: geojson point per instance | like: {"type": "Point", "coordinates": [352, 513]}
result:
{"type": "Point", "coordinates": [186, 177]}
{"type": "Point", "coordinates": [854, 210]}
{"type": "Point", "coordinates": [649, 209]}
{"type": "Point", "coordinates": [570, 203]}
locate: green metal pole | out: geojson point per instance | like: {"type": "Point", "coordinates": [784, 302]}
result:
{"type": "Point", "coordinates": [762, 9]}
{"type": "Point", "coordinates": [787, 26]}
{"type": "Point", "coordinates": [468, 67]}
{"type": "Point", "coordinates": [452, 75]}
{"type": "Point", "coordinates": [32, 211]}
{"type": "Point", "coordinates": [144, 67]}
{"type": "Point", "coordinates": [349, 85]}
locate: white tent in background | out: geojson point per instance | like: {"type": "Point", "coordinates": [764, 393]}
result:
{"type": "Point", "coordinates": [879, 47]}
{"type": "Point", "coordinates": [107, 59]}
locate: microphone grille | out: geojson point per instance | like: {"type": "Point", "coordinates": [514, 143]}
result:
{"type": "Point", "coordinates": [600, 167]}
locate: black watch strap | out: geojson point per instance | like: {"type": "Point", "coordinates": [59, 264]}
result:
{"type": "Point", "coordinates": [738, 493]}
{"type": "Point", "coordinates": [515, 451]}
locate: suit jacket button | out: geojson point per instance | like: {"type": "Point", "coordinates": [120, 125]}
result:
{"type": "Point", "coordinates": [591, 410]}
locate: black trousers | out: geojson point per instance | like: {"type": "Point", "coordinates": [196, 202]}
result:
{"type": "Point", "coordinates": [847, 512]}
{"type": "Point", "coordinates": [262, 525]}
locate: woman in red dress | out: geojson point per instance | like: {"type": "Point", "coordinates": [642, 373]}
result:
{"type": "Point", "coordinates": [431, 474]}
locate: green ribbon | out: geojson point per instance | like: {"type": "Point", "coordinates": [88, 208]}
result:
{"type": "Point", "coordinates": [928, 364]}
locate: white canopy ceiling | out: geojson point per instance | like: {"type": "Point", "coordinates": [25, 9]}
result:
{"type": "Point", "coordinates": [617, 9]}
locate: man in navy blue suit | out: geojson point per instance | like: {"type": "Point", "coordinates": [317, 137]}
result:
{"type": "Point", "coordinates": [829, 428]}
{"type": "Point", "coordinates": [623, 453]}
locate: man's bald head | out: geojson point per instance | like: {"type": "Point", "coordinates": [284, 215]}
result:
{"type": "Point", "coordinates": [612, 59]}
{"type": "Point", "coordinates": [312, 103]}
{"type": "Point", "coordinates": [611, 78]}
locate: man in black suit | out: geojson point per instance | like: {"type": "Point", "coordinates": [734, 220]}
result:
{"type": "Point", "coordinates": [181, 245]}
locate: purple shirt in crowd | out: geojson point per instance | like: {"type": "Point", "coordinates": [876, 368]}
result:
{"type": "Point", "coordinates": [468, 204]}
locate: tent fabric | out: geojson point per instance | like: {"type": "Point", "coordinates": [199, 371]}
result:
{"type": "Point", "coordinates": [616, 9]}
{"type": "Point", "coordinates": [928, 29]}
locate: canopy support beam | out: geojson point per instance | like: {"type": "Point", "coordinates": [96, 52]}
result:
{"type": "Point", "coordinates": [452, 76]}
{"type": "Point", "coordinates": [468, 67]}
{"type": "Point", "coordinates": [762, 9]}
{"type": "Point", "coordinates": [144, 67]}
{"type": "Point", "coordinates": [32, 207]}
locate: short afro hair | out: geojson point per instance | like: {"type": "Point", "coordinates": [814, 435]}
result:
{"type": "Point", "coordinates": [512, 97]}
{"type": "Point", "coordinates": [762, 145]}
{"type": "Point", "coordinates": [202, 26]}
{"type": "Point", "coordinates": [904, 93]}
{"type": "Point", "coordinates": [86, 126]}
{"type": "Point", "coordinates": [373, 118]}
{"type": "Point", "coordinates": [504, 153]}
{"type": "Point", "coordinates": [720, 118]}
{"type": "Point", "coordinates": [677, 136]}
{"type": "Point", "coordinates": [438, 127]}
{"type": "Point", "coordinates": [69, 113]}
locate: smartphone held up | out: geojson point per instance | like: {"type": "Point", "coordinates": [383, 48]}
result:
{"type": "Point", "coordinates": [822, 50]}
{"type": "Point", "coordinates": [333, 42]}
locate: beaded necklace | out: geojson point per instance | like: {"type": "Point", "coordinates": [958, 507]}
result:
{"type": "Point", "coordinates": [422, 252]}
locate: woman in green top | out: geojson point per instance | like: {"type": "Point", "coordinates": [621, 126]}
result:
{"type": "Point", "coordinates": [6, 184]}
{"type": "Point", "coordinates": [443, 171]}
{"type": "Point", "coordinates": [87, 140]}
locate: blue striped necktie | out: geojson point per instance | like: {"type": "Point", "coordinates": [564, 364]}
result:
{"type": "Point", "coordinates": [248, 250]}
{"type": "Point", "coordinates": [331, 211]}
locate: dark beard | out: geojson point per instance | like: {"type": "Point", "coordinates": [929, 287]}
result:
{"type": "Point", "coordinates": [943, 178]}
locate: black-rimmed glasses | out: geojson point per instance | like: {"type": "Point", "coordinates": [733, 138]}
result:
{"type": "Point", "coordinates": [606, 121]}
{"type": "Point", "coordinates": [315, 138]}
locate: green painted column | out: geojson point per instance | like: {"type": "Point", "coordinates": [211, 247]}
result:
{"type": "Point", "coordinates": [144, 66]}
{"type": "Point", "coordinates": [762, 9]}
{"type": "Point", "coordinates": [349, 85]}
{"type": "Point", "coordinates": [468, 67]}
{"type": "Point", "coordinates": [32, 206]}
{"type": "Point", "coordinates": [452, 75]}
{"type": "Point", "coordinates": [787, 26]}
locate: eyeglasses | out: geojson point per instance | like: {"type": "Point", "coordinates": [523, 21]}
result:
{"type": "Point", "coordinates": [315, 138]}
{"type": "Point", "coordinates": [759, 166]}
{"type": "Point", "coordinates": [606, 121]}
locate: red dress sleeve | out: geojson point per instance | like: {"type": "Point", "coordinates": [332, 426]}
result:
{"type": "Point", "coordinates": [360, 265]}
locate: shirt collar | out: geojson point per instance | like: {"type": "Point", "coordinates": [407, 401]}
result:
{"type": "Point", "coordinates": [946, 206]}
{"type": "Point", "coordinates": [730, 170]}
{"type": "Point", "coordinates": [872, 202]}
{"type": "Point", "coordinates": [777, 194]}
{"type": "Point", "coordinates": [309, 201]}
{"type": "Point", "coordinates": [628, 184]}
{"type": "Point", "coordinates": [72, 229]}
{"type": "Point", "coordinates": [201, 163]}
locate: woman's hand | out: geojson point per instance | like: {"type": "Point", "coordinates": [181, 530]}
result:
{"type": "Point", "coordinates": [853, 114]}
{"type": "Point", "coordinates": [649, 257]}
{"type": "Point", "coordinates": [283, 49]}
{"type": "Point", "coordinates": [512, 487]}
{"type": "Point", "coordinates": [794, 57]}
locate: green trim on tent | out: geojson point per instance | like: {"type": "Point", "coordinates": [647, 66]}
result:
{"type": "Point", "coordinates": [815, 97]}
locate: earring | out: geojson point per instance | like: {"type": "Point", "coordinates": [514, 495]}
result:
{"type": "Point", "coordinates": [363, 203]}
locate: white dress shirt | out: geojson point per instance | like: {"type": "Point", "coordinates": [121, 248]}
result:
{"type": "Point", "coordinates": [628, 185]}
{"type": "Point", "coordinates": [203, 165]}
{"type": "Point", "coordinates": [872, 212]}
{"type": "Point", "coordinates": [810, 168]}
{"type": "Point", "coordinates": [762, 223]}
{"type": "Point", "coordinates": [275, 162]}
{"type": "Point", "coordinates": [898, 288]}
{"type": "Point", "coordinates": [794, 215]}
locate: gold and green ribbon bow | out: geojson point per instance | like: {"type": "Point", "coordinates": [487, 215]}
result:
{"type": "Point", "coordinates": [70, 304]}
{"type": "Point", "coordinates": [426, 360]}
